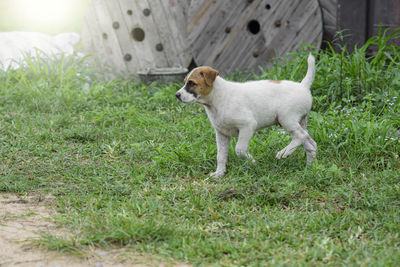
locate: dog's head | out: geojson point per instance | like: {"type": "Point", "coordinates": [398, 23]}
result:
{"type": "Point", "coordinates": [198, 84]}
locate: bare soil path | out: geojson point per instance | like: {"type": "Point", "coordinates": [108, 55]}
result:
{"type": "Point", "coordinates": [22, 217]}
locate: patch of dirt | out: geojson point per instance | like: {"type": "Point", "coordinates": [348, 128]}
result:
{"type": "Point", "coordinates": [22, 217]}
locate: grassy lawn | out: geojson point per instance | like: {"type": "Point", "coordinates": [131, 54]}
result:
{"type": "Point", "coordinates": [128, 165]}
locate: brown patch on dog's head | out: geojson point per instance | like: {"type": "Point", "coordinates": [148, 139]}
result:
{"type": "Point", "coordinates": [275, 81]}
{"type": "Point", "coordinates": [199, 81]}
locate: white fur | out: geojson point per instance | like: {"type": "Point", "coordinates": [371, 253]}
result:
{"type": "Point", "coordinates": [240, 109]}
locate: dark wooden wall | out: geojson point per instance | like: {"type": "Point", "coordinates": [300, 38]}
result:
{"type": "Point", "coordinates": [329, 15]}
{"type": "Point", "coordinates": [361, 19]}
{"type": "Point", "coordinates": [385, 13]}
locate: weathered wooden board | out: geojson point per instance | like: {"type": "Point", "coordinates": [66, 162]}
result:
{"type": "Point", "coordinates": [329, 17]}
{"type": "Point", "coordinates": [130, 36]}
{"type": "Point", "coordinates": [351, 20]}
{"type": "Point", "coordinates": [231, 34]}
{"type": "Point", "coordinates": [362, 19]}
{"type": "Point", "coordinates": [385, 14]}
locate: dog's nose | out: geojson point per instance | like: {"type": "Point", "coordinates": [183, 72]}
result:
{"type": "Point", "coordinates": [178, 95]}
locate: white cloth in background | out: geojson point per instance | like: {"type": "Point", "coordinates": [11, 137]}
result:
{"type": "Point", "coordinates": [14, 46]}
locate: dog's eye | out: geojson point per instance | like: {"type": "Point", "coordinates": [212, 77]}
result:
{"type": "Point", "coordinates": [191, 83]}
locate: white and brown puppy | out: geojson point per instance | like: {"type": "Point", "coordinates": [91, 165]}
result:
{"type": "Point", "coordinates": [240, 109]}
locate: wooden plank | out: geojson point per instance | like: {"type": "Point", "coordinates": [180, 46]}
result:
{"type": "Point", "coordinates": [122, 32]}
{"type": "Point", "coordinates": [176, 11]}
{"type": "Point", "coordinates": [329, 16]}
{"type": "Point", "coordinates": [208, 16]}
{"type": "Point", "coordinates": [166, 35]}
{"type": "Point", "coordinates": [352, 20]}
{"type": "Point", "coordinates": [385, 14]}
{"type": "Point", "coordinates": [92, 37]}
{"type": "Point", "coordinates": [138, 20]}
{"type": "Point", "coordinates": [228, 46]}
{"type": "Point", "coordinates": [87, 42]}
{"type": "Point", "coordinates": [231, 35]}
{"type": "Point", "coordinates": [111, 44]}
{"type": "Point", "coordinates": [160, 40]}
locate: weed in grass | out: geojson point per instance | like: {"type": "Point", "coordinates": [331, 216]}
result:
{"type": "Point", "coordinates": [128, 163]}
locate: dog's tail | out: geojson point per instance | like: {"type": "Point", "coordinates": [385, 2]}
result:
{"type": "Point", "coordinates": [309, 78]}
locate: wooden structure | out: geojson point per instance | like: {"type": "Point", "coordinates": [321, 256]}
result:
{"type": "Point", "coordinates": [130, 36]}
{"type": "Point", "coordinates": [359, 19]}
{"type": "Point", "coordinates": [363, 19]}
{"type": "Point", "coordinates": [329, 17]}
{"type": "Point", "coordinates": [231, 34]}
{"type": "Point", "coordinates": [134, 36]}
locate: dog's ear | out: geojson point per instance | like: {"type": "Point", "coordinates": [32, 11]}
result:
{"type": "Point", "coordinates": [186, 78]}
{"type": "Point", "coordinates": [209, 75]}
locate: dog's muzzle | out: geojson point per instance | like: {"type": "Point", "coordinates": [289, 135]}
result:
{"type": "Point", "coordinates": [178, 95]}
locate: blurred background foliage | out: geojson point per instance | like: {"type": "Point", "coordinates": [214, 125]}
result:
{"type": "Point", "coordinates": [47, 16]}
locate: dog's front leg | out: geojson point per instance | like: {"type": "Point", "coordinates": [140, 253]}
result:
{"type": "Point", "coordinates": [222, 154]}
{"type": "Point", "coordinates": [242, 146]}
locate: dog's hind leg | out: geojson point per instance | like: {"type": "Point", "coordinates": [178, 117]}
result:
{"type": "Point", "coordinates": [303, 122]}
{"type": "Point", "coordinates": [300, 136]}
{"type": "Point", "coordinates": [310, 146]}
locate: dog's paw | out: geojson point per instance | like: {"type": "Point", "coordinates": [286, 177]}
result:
{"type": "Point", "coordinates": [245, 155]}
{"type": "Point", "coordinates": [311, 156]}
{"type": "Point", "coordinates": [217, 174]}
{"type": "Point", "coordinates": [251, 158]}
{"type": "Point", "coordinates": [282, 154]}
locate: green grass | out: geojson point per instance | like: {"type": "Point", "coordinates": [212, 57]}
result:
{"type": "Point", "coordinates": [128, 165]}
